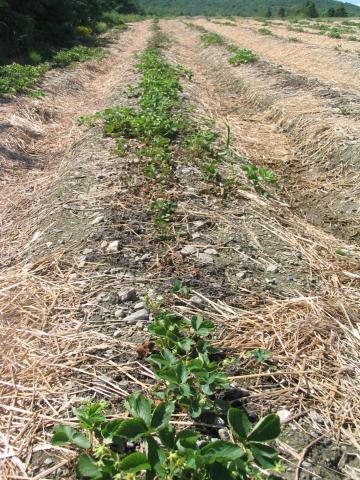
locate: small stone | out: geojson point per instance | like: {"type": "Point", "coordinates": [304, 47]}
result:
{"type": "Point", "coordinates": [139, 325]}
{"type": "Point", "coordinates": [127, 295]}
{"type": "Point", "coordinates": [211, 251]}
{"type": "Point", "coordinates": [49, 244]}
{"type": "Point", "coordinates": [113, 246]}
{"type": "Point", "coordinates": [272, 269]}
{"type": "Point", "coordinates": [205, 258]}
{"type": "Point", "coordinates": [195, 300]}
{"type": "Point", "coordinates": [118, 333]}
{"type": "Point", "coordinates": [196, 235]}
{"type": "Point", "coordinates": [103, 244]}
{"type": "Point", "coordinates": [87, 251]}
{"type": "Point", "coordinates": [146, 256]}
{"type": "Point", "coordinates": [114, 271]}
{"type": "Point", "coordinates": [188, 250]}
{"type": "Point", "coordinates": [284, 416]}
{"type": "Point", "coordinates": [224, 434]}
{"type": "Point", "coordinates": [139, 305]}
{"type": "Point", "coordinates": [98, 220]}
{"type": "Point", "coordinates": [48, 461]}
{"type": "Point", "coordinates": [198, 224]}
{"type": "Point", "coordinates": [140, 315]}
{"type": "Point", "coordinates": [241, 275]}
{"type": "Point", "coordinates": [119, 313]}
{"type": "Point", "coordinates": [271, 281]}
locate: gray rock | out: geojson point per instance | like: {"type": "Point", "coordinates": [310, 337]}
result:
{"type": "Point", "coordinates": [189, 250]}
{"type": "Point", "coordinates": [87, 251]}
{"type": "Point", "coordinates": [119, 313]}
{"type": "Point", "coordinates": [98, 220]}
{"type": "Point", "coordinates": [113, 246]}
{"type": "Point", "coordinates": [272, 269]}
{"type": "Point", "coordinates": [139, 305]}
{"type": "Point", "coordinates": [195, 300]}
{"type": "Point", "coordinates": [127, 295]}
{"type": "Point", "coordinates": [241, 275]}
{"type": "Point", "coordinates": [211, 251]}
{"type": "Point", "coordinates": [205, 258]}
{"type": "Point", "coordinates": [196, 235]}
{"type": "Point", "coordinates": [140, 315]}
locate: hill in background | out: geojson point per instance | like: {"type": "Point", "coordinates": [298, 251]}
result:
{"type": "Point", "coordinates": [234, 7]}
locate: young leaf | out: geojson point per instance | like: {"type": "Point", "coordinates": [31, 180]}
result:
{"type": "Point", "coordinates": [162, 415]}
{"type": "Point", "coordinates": [265, 456]}
{"type": "Point", "coordinates": [133, 428]}
{"type": "Point", "coordinates": [221, 451]}
{"type": "Point", "coordinates": [239, 422]}
{"type": "Point", "coordinates": [91, 415]}
{"type": "Point", "coordinates": [64, 434]}
{"type": "Point", "coordinates": [167, 436]}
{"type": "Point", "coordinates": [268, 428]}
{"type": "Point", "coordinates": [134, 463]}
{"type": "Point", "coordinates": [217, 471]}
{"type": "Point", "coordinates": [87, 468]}
{"type": "Point", "coordinates": [187, 439]}
{"type": "Point", "coordinates": [139, 406]}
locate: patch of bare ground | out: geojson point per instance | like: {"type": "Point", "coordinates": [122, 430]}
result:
{"type": "Point", "coordinates": [286, 289]}
{"type": "Point", "coordinates": [321, 123]}
{"type": "Point", "coordinates": [56, 186]}
{"type": "Point", "coordinates": [303, 59]}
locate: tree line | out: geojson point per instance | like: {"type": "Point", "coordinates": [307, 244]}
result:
{"type": "Point", "coordinates": [309, 10]}
{"type": "Point", "coordinates": [44, 24]}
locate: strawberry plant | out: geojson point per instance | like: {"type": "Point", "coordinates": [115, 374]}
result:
{"type": "Point", "coordinates": [159, 452]}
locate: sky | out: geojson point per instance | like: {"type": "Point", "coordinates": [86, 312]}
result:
{"type": "Point", "coordinates": [355, 2]}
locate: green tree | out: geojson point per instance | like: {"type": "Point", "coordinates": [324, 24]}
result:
{"type": "Point", "coordinates": [341, 11]}
{"type": "Point", "coordinates": [281, 12]}
{"type": "Point", "coordinates": [310, 10]}
{"type": "Point", "coordinates": [268, 13]}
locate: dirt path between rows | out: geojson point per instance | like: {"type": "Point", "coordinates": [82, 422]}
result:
{"type": "Point", "coordinates": [51, 199]}
{"type": "Point", "coordinates": [36, 135]}
{"type": "Point", "coordinates": [274, 230]}
{"type": "Point", "coordinates": [329, 66]}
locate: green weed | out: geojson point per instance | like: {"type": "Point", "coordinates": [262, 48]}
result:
{"type": "Point", "coordinates": [18, 78]}
{"type": "Point", "coordinates": [80, 53]}
{"type": "Point", "coordinates": [334, 33]}
{"type": "Point", "coordinates": [164, 209]}
{"type": "Point", "coordinates": [265, 31]}
{"type": "Point", "coordinates": [241, 55]}
{"type": "Point", "coordinates": [210, 38]}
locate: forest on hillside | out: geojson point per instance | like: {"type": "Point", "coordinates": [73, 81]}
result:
{"type": "Point", "coordinates": [240, 7]}
{"type": "Point", "coordinates": [41, 24]}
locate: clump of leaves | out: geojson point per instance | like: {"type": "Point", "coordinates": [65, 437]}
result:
{"type": "Point", "coordinates": [16, 78]}
{"type": "Point", "coordinates": [258, 176]}
{"type": "Point", "coordinates": [179, 287]}
{"type": "Point", "coordinates": [163, 453]}
{"type": "Point", "coordinates": [79, 53]}
{"type": "Point", "coordinates": [334, 33]}
{"type": "Point", "coordinates": [265, 31]}
{"type": "Point", "coordinates": [241, 55]}
{"type": "Point", "coordinates": [260, 355]}
{"type": "Point", "coordinates": [164, 210]}
{"type": "Point", "coordinates": [211, 38]}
